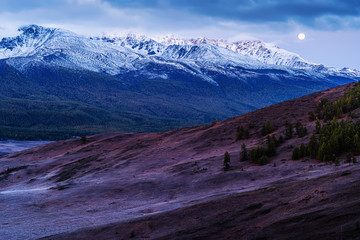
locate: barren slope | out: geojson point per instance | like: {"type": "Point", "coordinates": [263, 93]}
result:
{"type": "Point", "coordinates": [175, 183]}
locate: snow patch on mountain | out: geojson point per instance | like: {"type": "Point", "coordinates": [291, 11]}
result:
{"type": "Point", "coordinates": [264, 52]}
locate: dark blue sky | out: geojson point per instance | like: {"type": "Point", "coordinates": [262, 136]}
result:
{"type": "Point", "coordinates": [264, 11]}
{"type": "Point", "coordinates": [332, 27]}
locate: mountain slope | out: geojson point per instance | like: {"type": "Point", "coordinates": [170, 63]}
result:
{"type": "Point", "coordinates": [145, 85]}
{"type": "Point", "coordinates": [118, 185]}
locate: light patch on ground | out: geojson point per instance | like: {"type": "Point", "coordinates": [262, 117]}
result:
{"type": "Point", "coordinates": [20, 191]}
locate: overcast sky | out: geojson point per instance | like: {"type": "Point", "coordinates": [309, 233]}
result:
{"type": "Point", "coordinates": [332, 27]}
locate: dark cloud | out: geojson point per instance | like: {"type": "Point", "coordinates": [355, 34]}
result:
{"type": "Point", "coordinates": [328, 14]}
{"type": "Point", "coordinates": [302, 11]}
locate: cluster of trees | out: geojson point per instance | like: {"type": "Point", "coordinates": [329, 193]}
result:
{"type": "Point", "coordinates": [242, 133]}
{"type": "Point", "coordinates": [347, 103]}
{"type": "Point", "coordinates": [333, 139]}
{"type": "Point", "coordinates": [267, 128]}
{"type": "Point", "coordinates": [260, 154]}
{"type": "Point", "coordinates": [300, 152]}
{"type": "Point", "coordinates": [301, 130]}
{"type": "Point", "coordinates": [326, 143]}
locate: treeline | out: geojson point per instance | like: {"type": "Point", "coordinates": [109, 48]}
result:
{"type": "Point", "coordinates": [268, 127]}
{"type": "Point", "coordinates": [333, 139]}
{"type": "Point", "coordinates": [327, 142]}
{"type": "Point", "coordinates": [347, 103]}
{"type": "Point", "coordinates": [242, 133]}
{"type": "Point", "coordinates": [260, 155]}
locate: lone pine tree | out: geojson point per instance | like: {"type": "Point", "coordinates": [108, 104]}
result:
{"type": "Point", "coordinates": [226, 161]}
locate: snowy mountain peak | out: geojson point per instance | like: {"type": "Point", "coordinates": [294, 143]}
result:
{"type": "Point", "coordinates": [34, 30]}
{"type": "Point", "coordinates": [31, 38]}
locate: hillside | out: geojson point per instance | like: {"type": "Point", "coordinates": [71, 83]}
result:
{"type": "Point", "coordinates": [57, 84]}
{"type": "Point", "coordinates": [173, 184]}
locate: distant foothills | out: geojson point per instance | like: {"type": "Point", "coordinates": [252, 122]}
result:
{"type": "Point", "coordinates": [56, 84]}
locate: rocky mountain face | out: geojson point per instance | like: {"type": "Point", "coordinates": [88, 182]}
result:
{"type": "Point", "coordinates": [136, 83]}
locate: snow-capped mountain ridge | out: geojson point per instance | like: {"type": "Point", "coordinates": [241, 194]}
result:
{"type": "Point", "coordinates": [266, 53]}
{"type": "Point", "coordinates": [115, 55]}
{"type": "Point", "coordinates": [257, 53]}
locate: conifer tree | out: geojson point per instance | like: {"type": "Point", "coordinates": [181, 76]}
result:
{"type": "Point", "coordinates": [296, 153]}
{"type": "Point", "coordinates": [263, 160]}
{"type": "Point", "coordinates": [271, 148]}
{"type": "Point", "coordinates": [301, 131]}
{"type": "Point", "coordinates": [356, 143]}
{"type": "Point", "coordinates": [240, 133]}
{"type": "Point", "coordinates": [313, 146]}
{"type": "Point", "coordinates": [311, 116]}
{"type": "Point", "coordinates": [267, 128]}
{"type": "Point", "coordinates": [226, 161]}
{"type": "Point", "coordinates": [303, 152]}
{"type": "Point", "coordinates": [321, 154]}
{"type": "Point", "coordinates": [288, 130]}
{"type": "Point", "coordinates": [281, 139]}
{"type": "Point", "coordinates": [317, 126]}
{"type": "Point", "coordinates": [276, 141]}
{"type": "Point", "coordinates": [244, 153]}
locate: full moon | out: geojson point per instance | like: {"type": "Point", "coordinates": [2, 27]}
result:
{"type": "Point", "coordinates": [301, 36]}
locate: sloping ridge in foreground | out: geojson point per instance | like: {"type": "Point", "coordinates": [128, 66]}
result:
{"type": "Point", "coordinates": [172, 185]}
